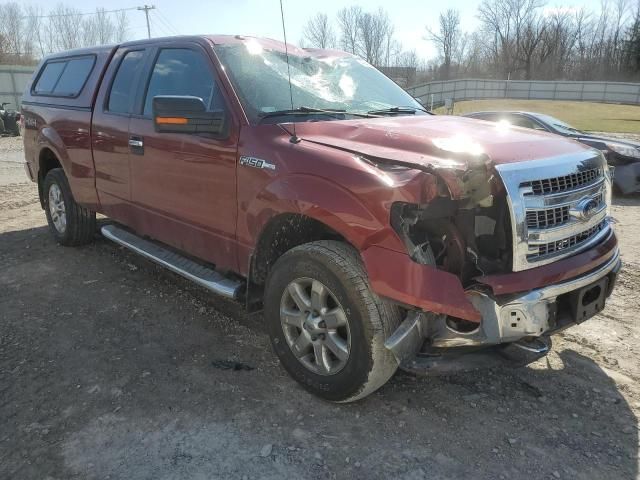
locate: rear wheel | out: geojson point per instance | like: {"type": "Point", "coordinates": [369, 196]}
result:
{"type": "Point", "coordinates": [325, 324]}
{"type": "Point", "coordinates": [70, 223]}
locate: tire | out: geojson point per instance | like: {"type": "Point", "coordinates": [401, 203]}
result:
{"type": "Point", "coordinates": [79, 225]}
{"type": "Point", "coordinates": [370, 320]}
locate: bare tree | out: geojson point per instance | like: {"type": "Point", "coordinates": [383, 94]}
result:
{"type": "Point", "coordinates": [65, 28]}
{"type": "Point", "coordinates": [32, 29]}
{"type": "Point", "coordinates": [12, 31]}
{"type": "Point", "coordinates": [34, 20]}
{"type": "Point", "coordinates": [631, 57]}
{"type": "Point", "coordinates": [517, 30]}
{"type": "Point", "coordinates": [516, 39]}
{"type": "Point", "coordinates": [375, 34]}
{"type": "Point", "coordinates": [446, 38]}
{"type": "Point", "coordinates": [349, 19]}
{"type": "Point", "coordinates": [104, 27]}
{"type": "Point", "coordinates": [121, 27]}
{"type": "Point", "coordinates": [528, 41]}
{"type": "Point", "coordinates": [318, 32]}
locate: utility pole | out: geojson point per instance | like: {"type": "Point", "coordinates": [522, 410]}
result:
{"type": "Point", "coordinates": [146, 9]}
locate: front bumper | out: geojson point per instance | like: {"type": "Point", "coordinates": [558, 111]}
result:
{"type": "Point", "coordinates": [505, 319]}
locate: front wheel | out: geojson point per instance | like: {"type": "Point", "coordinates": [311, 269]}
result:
{"type": "Point", "coordinates": [70, 223]}
{"type": "Point", "coordinates": [326, 325]}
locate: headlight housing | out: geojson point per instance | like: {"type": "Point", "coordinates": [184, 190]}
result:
{"type": "Point", "coordinates": [624, 150]}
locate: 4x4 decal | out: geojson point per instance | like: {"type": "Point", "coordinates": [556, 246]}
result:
{"type": "Point", "coordinates": [256, 163]}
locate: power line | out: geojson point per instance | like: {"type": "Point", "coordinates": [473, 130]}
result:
{"type": "Point", "coordinates": [79, 14]}
{"type": "Point", "coordinates": [167, 22]}
{"type": "Point", "coordinates": [159, 27]}
{"type": "Point", "coordinates": [165, 27]}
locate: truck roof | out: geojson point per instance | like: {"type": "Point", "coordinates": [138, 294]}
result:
{"type": "Point", "coordinates": [266, 43]}
{"type": "Point", "coordinates": [104, 53]}
{"type": "Point", "coordinates": [82, 51]}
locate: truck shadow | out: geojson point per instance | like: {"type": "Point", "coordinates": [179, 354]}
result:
{"type": "Point", "coordinates": [567, 409]}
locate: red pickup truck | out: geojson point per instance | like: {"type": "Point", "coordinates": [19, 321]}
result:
{"type": "Point", "coordinates": [373, 233]}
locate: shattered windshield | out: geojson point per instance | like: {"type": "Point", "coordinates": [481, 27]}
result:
{"type": "Point", "coordinates": [347, 83]}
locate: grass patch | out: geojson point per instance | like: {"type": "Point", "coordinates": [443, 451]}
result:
{"type": "Point", "coordinates": [600, 117]}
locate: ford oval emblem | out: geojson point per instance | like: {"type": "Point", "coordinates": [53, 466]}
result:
{"type": "Point", "coordinates": [586, 208]}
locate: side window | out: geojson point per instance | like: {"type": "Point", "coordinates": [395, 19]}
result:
{"type": "Point", "coordinates": [488, 117]}
{"type": "Point", "coordinates": [49, 77]}
{"type": "Point", "coordinates": [121, 96]}
{"type": "Point", "coordinates": [180, 71]}
{"type": "Point", "coordinates": [521, 121]}
{"type": "Point", "coordinates": [64, 78]}
{"type": "Point", "coordinates": [74, 76]}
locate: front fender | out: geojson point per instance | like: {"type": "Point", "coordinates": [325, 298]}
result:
{"type": "Point", "coordinates": [391, 272]}
{"type": "Point", "coordinates": [325, 201]}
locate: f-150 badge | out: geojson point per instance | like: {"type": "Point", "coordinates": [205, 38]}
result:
{"type": "Point", "coordinates": [256, 163]}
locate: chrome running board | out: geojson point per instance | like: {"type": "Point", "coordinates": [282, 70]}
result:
{"type": "Point", "coordinates": [199, 274]}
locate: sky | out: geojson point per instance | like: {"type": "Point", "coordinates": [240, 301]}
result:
{"type": "Point", "coordinates": [262, 17]}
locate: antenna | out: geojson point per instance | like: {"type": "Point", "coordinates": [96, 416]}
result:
{"type": "Point", "coordinates": [294, 138]}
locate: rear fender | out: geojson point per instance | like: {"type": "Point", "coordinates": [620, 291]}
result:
{"type": "Point", "coordinates": [80, 176]}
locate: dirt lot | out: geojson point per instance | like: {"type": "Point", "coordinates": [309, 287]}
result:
{"type": "Point", "coordinates": [108, 370]}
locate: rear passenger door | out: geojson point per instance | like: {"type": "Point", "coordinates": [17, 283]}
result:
{"type": "Point", "coordinates": [110, 132]}
{"type": "Point", "coordinates": [185, 183]}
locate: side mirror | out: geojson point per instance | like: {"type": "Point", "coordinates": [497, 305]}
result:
{"type": "Point", "coordinates": [185, 114]}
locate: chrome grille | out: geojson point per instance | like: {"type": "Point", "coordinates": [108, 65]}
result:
{"type": "Point", "coordinates": [563, 183]}
{"type": "Point", "coordinates": [569, 242]}
{"type": "Point", "coordinates": [547, 218]}
{"type": "Point", "coordinates": [557, 205]}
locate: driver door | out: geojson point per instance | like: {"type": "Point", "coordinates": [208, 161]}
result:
{"type": "Point", "coordinates": [183, 185]}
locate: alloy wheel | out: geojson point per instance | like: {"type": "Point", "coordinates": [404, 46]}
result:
{"type": "Point", "coordinates": [315, 326]}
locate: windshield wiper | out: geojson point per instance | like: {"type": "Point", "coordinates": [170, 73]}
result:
{"type": "Point", "coordinates": [398, 110]}
{"type": "Point", "coordinates": [335, 112]}
{"type": "Point", "coordinates": [300, 111]}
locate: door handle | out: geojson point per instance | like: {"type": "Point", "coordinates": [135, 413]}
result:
{"type": "Point", "coordinates": [136, 145]}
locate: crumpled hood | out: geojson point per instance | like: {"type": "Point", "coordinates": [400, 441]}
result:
{"type": "Point", "coordinates": [436, 141]}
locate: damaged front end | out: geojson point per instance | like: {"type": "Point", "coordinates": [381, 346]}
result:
{"type": "Point", "coordinates": [467, 236]}
{"type": "Point", "coordinates": [466, 228]}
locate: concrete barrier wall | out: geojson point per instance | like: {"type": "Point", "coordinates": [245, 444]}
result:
{"type": "Point", "coordinates": [476, 89]}
{"type": "Point", "coordinates": [13, 80]}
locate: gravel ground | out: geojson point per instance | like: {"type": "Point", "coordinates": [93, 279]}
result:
{"type": "Point", "coordinates": [109, 368]}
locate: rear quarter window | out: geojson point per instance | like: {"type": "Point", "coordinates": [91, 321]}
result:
{"type": "Point", "coordinates": [65, 77]}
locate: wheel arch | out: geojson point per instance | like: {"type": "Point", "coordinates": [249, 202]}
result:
{"type": "Point", "coordinates": [282, 233]}
{"type": "Point", "coordinates": [47, 161]}
{"type": "Point", "coordinates": [302, 208]}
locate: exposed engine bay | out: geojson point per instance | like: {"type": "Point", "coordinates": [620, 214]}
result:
{"type": "Point", "coordinates": [467, 237]}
